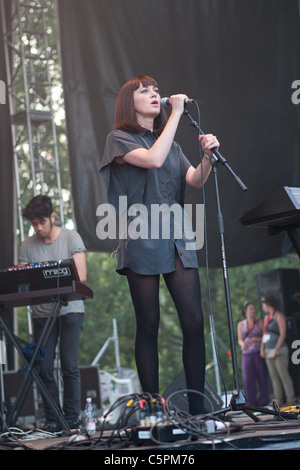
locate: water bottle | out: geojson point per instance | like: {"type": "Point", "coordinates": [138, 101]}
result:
{"type": "Point", "coordinates": [90, 422]}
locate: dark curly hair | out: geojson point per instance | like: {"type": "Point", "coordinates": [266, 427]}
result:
{"type": "Point", "coordinates": [39, 207]}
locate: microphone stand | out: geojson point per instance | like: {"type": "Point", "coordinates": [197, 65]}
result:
{"type": "Point", "coordinates": [238, 400]}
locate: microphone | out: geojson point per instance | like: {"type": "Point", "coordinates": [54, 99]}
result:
{"type": "Point", "coordinates": [168, 102]}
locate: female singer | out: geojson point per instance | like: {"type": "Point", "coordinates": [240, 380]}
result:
{"type": "Point", "coordinates": [142, 162]}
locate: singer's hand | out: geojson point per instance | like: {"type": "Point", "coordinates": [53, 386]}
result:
{"type": "Point", "coordinates": [209, 142]}
{"type": "Point", "coordinates": [178, 103]}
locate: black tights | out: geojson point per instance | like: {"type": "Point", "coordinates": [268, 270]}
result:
{"type": "Point", "coordinates": [184, 287]}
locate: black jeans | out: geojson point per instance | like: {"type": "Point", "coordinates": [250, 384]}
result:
{"type": "Point", "coordinates": [68, 328]}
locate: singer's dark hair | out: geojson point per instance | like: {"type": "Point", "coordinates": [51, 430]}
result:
{"type": "Point", "coordinates": [125, 115]}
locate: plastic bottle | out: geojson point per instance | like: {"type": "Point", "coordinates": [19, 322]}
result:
{"type": "Point", "coordinates": [90, 422]}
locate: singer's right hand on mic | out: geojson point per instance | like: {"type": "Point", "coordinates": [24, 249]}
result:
{"type": "Point", "coordinates": [178, 103]}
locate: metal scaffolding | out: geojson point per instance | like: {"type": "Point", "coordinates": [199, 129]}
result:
{"type": "Point", "coordinates": [29, 86]}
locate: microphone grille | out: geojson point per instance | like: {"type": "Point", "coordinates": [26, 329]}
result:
{"type": "Point", "coordinates": [165, 101]}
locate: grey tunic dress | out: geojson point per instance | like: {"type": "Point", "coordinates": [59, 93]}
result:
{"type": "Point", "coordinates": [164, 187]}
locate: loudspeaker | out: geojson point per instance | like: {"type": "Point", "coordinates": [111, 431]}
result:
{"type": "Point", "coordinates": [212, 403]}
{"type": "Point", "coordinates": [12, 383]}
{"type": "Point", "coordinates": [90, 385]}
{"type": "Point", "coordinates": [283, 284]}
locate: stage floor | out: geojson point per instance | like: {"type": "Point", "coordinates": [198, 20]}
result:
{"type": "Point", "coordinates": [270, 433]}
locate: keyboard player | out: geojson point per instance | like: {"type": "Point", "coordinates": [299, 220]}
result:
{"type": "Point", "coordinates": [51, 242]}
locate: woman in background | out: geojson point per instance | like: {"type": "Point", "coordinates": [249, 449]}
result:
{"type": "Point", "coordinates": [254, 370]}
{"type": "Point", "coordinates": [276, 352]}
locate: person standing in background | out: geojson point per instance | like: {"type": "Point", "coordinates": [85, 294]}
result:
{"type": "Point", "coordinates": [254, 370]}
{"type": "Point", "coordinates": [275, 350]}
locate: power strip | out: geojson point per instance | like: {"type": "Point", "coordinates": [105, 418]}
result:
{"type": "Point", "coordinates": [169, 433]}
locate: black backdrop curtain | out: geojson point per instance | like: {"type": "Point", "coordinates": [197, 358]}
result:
{"type": "Point", "coordinates": [238, 60]}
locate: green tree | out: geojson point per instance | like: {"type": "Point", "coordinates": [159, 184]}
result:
{"type": "Point", "coordinates": [112, 300]}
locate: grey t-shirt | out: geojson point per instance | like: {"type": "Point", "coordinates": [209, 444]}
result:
{"type": "Point", "coordinates": [34, 250]}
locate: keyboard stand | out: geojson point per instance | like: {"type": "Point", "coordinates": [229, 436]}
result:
{"type": "Point", "coordinates": [31, 372]}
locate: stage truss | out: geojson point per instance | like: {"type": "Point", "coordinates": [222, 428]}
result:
{"type": "Point", "coordinates": [29, 87]}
